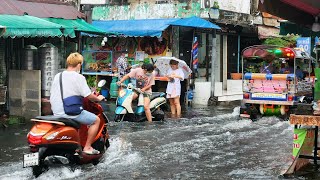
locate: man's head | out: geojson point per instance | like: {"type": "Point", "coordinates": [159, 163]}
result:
{"type": "Point", "coordinates": [147, 68]}
{"type": "Point", "coordinates": [74, 59]}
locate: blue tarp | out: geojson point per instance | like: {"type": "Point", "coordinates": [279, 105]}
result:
{"type": "Point", "coordinates": [195, 22]}
{"type": "Point", "coordinates": [140, 27]}
{"type": "Point", "coordinates": [150, 27]}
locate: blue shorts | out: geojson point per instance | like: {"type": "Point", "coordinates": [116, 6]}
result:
{"type": "Point", "coordinates": [85, 117]}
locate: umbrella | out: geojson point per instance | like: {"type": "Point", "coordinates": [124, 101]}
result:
{"type": "Point", "coordinates": [163, 65]}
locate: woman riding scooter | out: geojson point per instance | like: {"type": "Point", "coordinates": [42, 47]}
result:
{"type": "Point", "coordinates": [144, 80]}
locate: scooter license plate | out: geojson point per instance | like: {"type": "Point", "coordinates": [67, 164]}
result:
{"type": "Point", "coordinates": [31, 159]}
{"type": "Point", "coordinates": [245, 115]}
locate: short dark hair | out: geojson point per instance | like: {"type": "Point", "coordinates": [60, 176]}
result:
{"type": "Point", "coordinates": [147, 66]}
{"type": "Point", "coordinates": [173, 62]}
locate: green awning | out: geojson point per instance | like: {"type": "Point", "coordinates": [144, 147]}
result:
{"type": "Point", "coordinates": [291, 28]}
{"type": "Point", "coordinates": [78, 25]}
{"type": "Point", "coordinates": [30, 26]}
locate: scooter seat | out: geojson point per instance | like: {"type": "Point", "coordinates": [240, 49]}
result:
{"type": "Point", "coordinates": [156, 94]}
{"type": "Point", "coordinates": [67, 122]}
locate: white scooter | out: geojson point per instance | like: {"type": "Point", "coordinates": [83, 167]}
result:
{"type": "Point", "coordinates": [124, 111]}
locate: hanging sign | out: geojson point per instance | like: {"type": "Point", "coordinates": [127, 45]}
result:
{"type": "Point", "coordinates": [304, 43]}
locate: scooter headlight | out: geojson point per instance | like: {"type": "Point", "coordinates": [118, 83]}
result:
{"type": "Point", "coordinates": [122, 93]}
{"type": "Point", "coordinates": [52, 136]}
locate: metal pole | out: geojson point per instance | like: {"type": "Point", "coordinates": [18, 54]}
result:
{"type": "Point", "coordinates": [315, 151]}
{"type": "Point", "coordinates": [238, 66]}
{"type": "Point", "coordinates": [207, 57]}
{"type": "Point", "coordinates": [213, 57]}
{"type": "Point", "coordinates": [79, 42]}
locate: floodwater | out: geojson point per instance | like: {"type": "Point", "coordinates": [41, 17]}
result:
{"type": "Point", "coordinates": [207, 143]}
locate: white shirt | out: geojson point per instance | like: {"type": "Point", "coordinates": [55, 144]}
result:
{"type": "Point", "coordinates": [175, 87]}
{"type": "Point", "coordinates": [74, 84]}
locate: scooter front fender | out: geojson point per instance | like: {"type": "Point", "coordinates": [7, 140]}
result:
{"type": "Point", "coordinates": [121, 110]}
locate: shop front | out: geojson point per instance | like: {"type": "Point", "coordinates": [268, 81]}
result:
{"type": "Point", "coordinates": [148, 39]}
{"type": "Point", "coordinates": [32, 51]}
{"type": "Point", "coordinates": [100, 60]}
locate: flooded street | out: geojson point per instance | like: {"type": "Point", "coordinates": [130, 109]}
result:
{"type": "Point", "coordinates": [208, 143]}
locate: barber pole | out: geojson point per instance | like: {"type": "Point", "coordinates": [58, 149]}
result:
{"type": "Point", "coordinates": [195, 61]}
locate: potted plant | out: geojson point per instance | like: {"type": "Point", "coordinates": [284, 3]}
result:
{"type": "Point", "coordinates": [236, 76]}
{"type": "Point", "coordinates": [214, 11]}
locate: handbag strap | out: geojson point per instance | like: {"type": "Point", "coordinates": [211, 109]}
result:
{"type": "Point", "coordinates": [61, 87]}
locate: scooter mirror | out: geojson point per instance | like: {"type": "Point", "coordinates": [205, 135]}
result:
{"type": "Point", "coordinates": [102, 83]}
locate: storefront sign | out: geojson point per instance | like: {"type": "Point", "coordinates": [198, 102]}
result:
{"type": "Point", "coordinates": [303, 142]}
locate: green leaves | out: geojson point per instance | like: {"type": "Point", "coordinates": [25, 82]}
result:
{"type": "Point", "coordinates": [286, 41]}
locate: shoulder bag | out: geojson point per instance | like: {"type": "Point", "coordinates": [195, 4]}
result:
{"type": "Point", "coordinates": [72, 105]}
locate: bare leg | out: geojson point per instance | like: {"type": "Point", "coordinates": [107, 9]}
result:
{"type": "Point", "coordinates": [92, 132]}
{"type": "Point", "coordinates": [177, 105]}
{"type": "Point", "coordinates": [172, 106]}
{"type": "Point", "coordinates": [147, 108]}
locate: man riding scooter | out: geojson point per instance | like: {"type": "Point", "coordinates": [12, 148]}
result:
{"type": "Point", "coordinates": [144, 80]}
{"type": "Point", "coordinates": [75, 85]}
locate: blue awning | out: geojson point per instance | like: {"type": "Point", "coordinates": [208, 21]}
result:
{"type": "Point", "coordinates": [195, 22]}
{"type": "Point", "coordinates": [137, 28]}
{"type": "Point", "coordinates": [150, 27]}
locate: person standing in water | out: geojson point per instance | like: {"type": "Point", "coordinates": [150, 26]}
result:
{"type": "Point", "coordinates": [175, 75]}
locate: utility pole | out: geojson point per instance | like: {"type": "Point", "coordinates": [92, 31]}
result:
{"type": "Point", "coordinates": [213, 100]}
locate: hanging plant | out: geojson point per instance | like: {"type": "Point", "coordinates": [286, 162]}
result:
{"type": "Point", "coordinates": [285, 41]}
{"type": "Point", "coordinates": [215, 5]}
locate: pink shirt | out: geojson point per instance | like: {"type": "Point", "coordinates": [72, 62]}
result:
{"type": "Point", "coordinates": [142, 79]}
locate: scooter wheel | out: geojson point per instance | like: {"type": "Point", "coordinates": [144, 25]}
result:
{"type": "Point", "coordinates": [38, 170]}
{"type": "Point", "coordinates": [95, 162]}
{"type": "Point", "coordinates": [107, 144]}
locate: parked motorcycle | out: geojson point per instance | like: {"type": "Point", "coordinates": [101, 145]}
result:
{"type": "Point", "coordinates": [124, 111]}
{"type": "Point", "coordinates": [59, 141]}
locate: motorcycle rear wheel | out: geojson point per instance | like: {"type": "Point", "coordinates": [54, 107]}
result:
{"type": "Point", "coordinates": [158, 115]}
{"type": "Point", "coordinates": [107, 144]}
{"type": "Point", "coordinates": [38, 170]}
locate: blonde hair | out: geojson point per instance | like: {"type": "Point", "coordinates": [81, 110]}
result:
{"type": "Point", "coordinates": [74, 59]}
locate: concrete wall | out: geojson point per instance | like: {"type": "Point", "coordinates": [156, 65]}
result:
{"type": "Point", "coordinates": [25, 93]}
{"type": "Point", "coordinates": [151, 9]}
{"type": "Point", "coordinates": [202, 93]}
{"type": "Point", "coordinates": [233, 92]}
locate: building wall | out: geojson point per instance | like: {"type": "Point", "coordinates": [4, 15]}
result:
{"type": "Point", "coordinates": [152, 9]}
{"type": "Point", "coordinates": [24, 93]}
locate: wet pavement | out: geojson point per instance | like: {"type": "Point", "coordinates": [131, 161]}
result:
{"type": "Point", "coordinates": [207, 143]}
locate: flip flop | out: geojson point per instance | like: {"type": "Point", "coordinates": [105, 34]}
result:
{"type": "Point", "coordinates": [93, 152]}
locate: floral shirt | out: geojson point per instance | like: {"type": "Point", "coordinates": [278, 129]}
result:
{"type": "Point", "coordinates": [142, 80]}
{"type": "Point", "coordinates": [122, 65]}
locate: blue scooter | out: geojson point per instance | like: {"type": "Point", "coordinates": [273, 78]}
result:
{"type": "Point", "coordinates": [124, 111]}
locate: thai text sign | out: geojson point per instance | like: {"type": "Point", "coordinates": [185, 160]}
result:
{"type": "Point", "coordinates": [304, 43]}
{"type": "Point", "coordinates": [303, 141]}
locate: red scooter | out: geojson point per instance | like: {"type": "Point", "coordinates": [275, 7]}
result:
{"type": "Point", "coordinates": [59, 141]}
